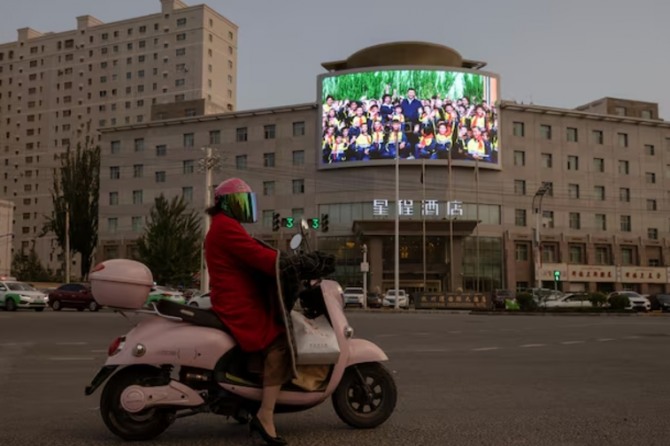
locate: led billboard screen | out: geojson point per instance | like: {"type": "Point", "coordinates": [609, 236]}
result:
{"type": "Point", "coordinates": [372, 116]}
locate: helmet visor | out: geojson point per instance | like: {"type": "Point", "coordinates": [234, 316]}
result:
{"type": "Point", "coordinates": [241, 206]}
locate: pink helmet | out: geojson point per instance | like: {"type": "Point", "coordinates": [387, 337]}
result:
{"type": "Point", "coordinates": [236, 199]}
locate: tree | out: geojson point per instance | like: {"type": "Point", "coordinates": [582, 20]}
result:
{"type": "Point", "coordinates": [75, 192]}
{"type": "Point", "coordinates": [28, 268]}
{"type": "Point", "coordinates": [170, 245]}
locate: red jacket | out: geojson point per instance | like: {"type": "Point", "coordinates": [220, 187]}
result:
{"type": "Point", "coordinates": [243, 283]}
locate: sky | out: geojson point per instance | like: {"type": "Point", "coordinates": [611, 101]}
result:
{"type": "Point", "coordinates": [554, 53]}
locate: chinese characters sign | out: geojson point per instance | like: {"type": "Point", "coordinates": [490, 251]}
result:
{"type": "Point", "coordinates": [453, 300]}
{"type": "Point", "coordinates": [428, 208]}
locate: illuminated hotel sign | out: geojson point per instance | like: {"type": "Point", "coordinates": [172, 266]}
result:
{"type": "Point", "coordinates": [429, 208]}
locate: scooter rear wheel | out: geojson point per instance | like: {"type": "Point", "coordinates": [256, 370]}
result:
{"type": "Point", "coordinates": [143, 425]}
{"type": "Point", "coordinates": [366, 395]}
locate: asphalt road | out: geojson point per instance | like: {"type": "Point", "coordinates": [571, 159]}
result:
{"type": "Point", "coordinates": [463, 380]}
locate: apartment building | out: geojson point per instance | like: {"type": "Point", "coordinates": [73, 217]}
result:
{"type": "Point", "coordinates": [58, 88]}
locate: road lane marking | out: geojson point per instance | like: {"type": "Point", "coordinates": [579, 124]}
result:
{"type": "Point", "coordinates": [485, 349]}
{"type": "Point", "coordinates": [16, 344]}
{"type": "Point", "coordinates": [71, 343]}
{"type": "Point", "coordinates": [606, 339]}
{"type": "Point", "coordinates": [532, 345]}
{"type": "Point", "coordinates": [572, 342]}
{"type": "Point", "coordinates": [71, 358]}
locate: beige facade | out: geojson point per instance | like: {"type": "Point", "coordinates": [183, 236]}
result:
{"type": "Point", "coordinates": [6, 236]}
{"type": "Point", "coordinates": [605, 224]}
{"type": "Point", "coordinates": [55, 88]}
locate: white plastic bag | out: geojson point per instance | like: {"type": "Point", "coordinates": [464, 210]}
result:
{"type": "Point", "coordinates": [315, 340]}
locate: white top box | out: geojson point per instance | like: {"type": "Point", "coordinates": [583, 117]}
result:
{"type": "Point", "coordinates": [121, 283]}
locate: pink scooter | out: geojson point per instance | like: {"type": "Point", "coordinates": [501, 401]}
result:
{"type": "Point", "coordinates": [179, 361]}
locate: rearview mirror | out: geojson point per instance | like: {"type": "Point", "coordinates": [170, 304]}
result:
{"type": "Point", "coordinates": [296, 241]}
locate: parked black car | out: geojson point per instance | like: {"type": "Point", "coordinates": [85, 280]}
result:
{"type": "Point", "coordinates": [660, 302]}
{"type": "Point", "coordinates": [374, 300]}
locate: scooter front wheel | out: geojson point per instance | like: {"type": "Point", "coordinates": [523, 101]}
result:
{"type": "Point", "coordinates": [143, 425]}
{"type": "Point", "coordinates": [366, 395]}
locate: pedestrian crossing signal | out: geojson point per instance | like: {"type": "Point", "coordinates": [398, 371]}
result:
{"type": "Point", "coordinates": [557, 276]}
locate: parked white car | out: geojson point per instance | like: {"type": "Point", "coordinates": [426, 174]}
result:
{"type": "Point", "coordinates": [390, 297]}
{"type": "Point", "coordinates": [201, 301]}
{"type": "Point", "coordinates": [354, 296]}
{"type": "Point", "coordinates": [570, 300]}
{"type": "Point", "coordinates": [636, 301]}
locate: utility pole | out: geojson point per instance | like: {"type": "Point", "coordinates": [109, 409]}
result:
{"type": "Point", "coordinates": [207, 165]}
{"type": "Point", "coordinates": [365, 268]}
{"type": "Point", "coordinates": [537, 209]}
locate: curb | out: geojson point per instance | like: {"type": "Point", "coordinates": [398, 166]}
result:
{"type": "Point", "coordinates": [505, 313]}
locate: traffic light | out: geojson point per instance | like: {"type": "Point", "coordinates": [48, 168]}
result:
{"type": "Point", "coordinates": [275, 221]}
{"type": "Point", "coordinates": [316, 223]}
{"type": "Point", "coordinates": [557, 276]}
{"type": "Point", "coordinates": [288, 222]}
{"type": "Point", "coordinates": [324, 222]}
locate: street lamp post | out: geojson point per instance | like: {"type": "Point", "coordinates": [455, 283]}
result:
{"type": "Point", "coordinates": [537, 209]}
{"type": "Point", "coordinates": [209, 162]}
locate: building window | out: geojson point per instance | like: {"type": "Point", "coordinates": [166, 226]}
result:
{"type": "Point", "coordinates": [138, 196]}
{"type": "Point", "coordinates": [267, 217]}
{"type": "Point", "coordinates": [298, 157]}
{"type": "Point", "coordinates": [573, 191]}
{"type": "Point", "coordinates": [299, 128]}
{"type": "Point", "coordinates": [601, 222]}
{"type": "Point", "coordinates": [599, 192]}
{"type": "Point", "coordinates": [651, 205]}
{"type": "Point", "coordinates": [137, 223]}
{"type": "Point", "coordinates": [161, 150]}
{"type": "Point", "coordinates": [518, 129]}
{"type": "Point", "coordinates": [114, 172]}
{"type": "Point", "coordinates": [189, 140]}
{"type": "Point", "coordinates": [623, 139]}
{"type": "Point", "coordinates": [298, 186]}
{"type": "Point", "coordinates": [602, 255]}
{"type": "Point", "coordinates": [215, 137]}
{"type": "Point", "coordinates": [241, 134]}
{"type": "Point", "coordinates": [115, 147]}
{"type": "Point", "coordinates": [597, 137]}
{"type": "Point", "coordinates": [187, 193]}
{"type": "Point", "coordinates": [519, 187]}
{"type": "Point", "coordinates": [573, 162]}
{"type": "Point", "coordinates": [624, 194]}
{"type": "Point", "coordinates": [268, 160]}
{"type": "Point", "coordinates": [188, 167]}
{"type": "Point", "coordinates": [599, 164]}
{"type": "Point", "coordinates": [547, 160]}
{"type": "Point", "coordinates": [269, 131]}
{"type": "Point", "coordinates": [646, 114]}
{"type": "Point", "coordinates": [112, 224]}
{"type": "Point", "coordinates": [160, 176]}
{"type": "Point", "coordinates": [572, 134]}
{"type": "Point", "coordinates": [650, 177]}
{"type": "Point", "coordinates": [549, 252]}
{"type": "Point", "coordinates": [519, 158]}
{"type": "Point", "coordinates": [545, 131]}
{"type": "Point", "coordinates": [649, 150]}
{"type": "Point", "coordinates": [624, 167]}
{"type": "Point", "coordinates": [521, 252]}
{"type": "Point", "coordinates": [627, 256]}
{"type": "Point", "coordinates": [181, 36]}
{"type": "Point", "coordinates": [575, 220]}
{"type": "Point", "coordinates": [139, 145]}
{"type": "Point", "coordinates": [576, 254]}
{"type": "Point", "coordinates": [268, 187]}
{"type": "Point", "coordinates": [548, 219]}
{"type": "Point", "coordinates": [620, 111]}
{"type": "Point", "coordinates": [652, 233]}
{"type": "Point", "coordinates": [520, 217]}
{"type": "Point", "coordinates": [181, 22]}
{"type": "Point", "coordinates": [241, 162]}
{"type": "Point", "coordinates": [138, 170]}
{"type": "Point", "coordinates": [113, 198]}
{"type": "Point", "coordinates": [625, 223]}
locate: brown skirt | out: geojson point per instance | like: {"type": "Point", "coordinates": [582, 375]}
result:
{"type": "Point", "coordinates": [276, 362]}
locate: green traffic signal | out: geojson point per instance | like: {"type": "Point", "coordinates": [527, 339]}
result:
{"type": "Point", "coordinates": [557, 276]}
{"type": "Point", "coordinates": [316, 223]}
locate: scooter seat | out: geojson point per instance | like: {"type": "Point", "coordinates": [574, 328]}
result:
{"type": "Point", "coordinates": [191, 315]}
